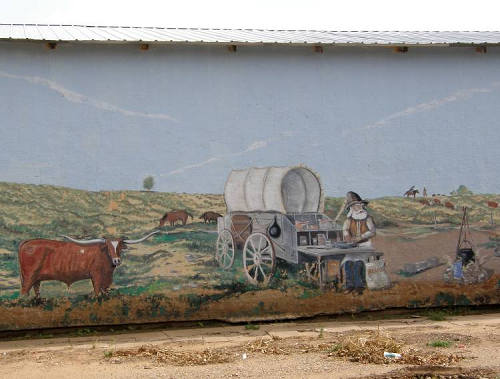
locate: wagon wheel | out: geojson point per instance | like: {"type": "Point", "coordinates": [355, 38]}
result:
{"type": "Point", "coordinates": [224, 252]}
{"type": "Point", "coordinates": [259, 259]}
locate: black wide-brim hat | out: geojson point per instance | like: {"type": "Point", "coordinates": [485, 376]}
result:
{"type": "Point", "coordinates": [353, 198]}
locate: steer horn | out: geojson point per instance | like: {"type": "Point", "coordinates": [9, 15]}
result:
{"type": "Point", "coordinates": [141, 239]}
{"type": "Point", "coordinates": [85, 242]}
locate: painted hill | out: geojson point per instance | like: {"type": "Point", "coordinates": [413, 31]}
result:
{"type": "Point", "coordinates": [29, 211]}
{"type": "Point", "coordinates": [399, 211]}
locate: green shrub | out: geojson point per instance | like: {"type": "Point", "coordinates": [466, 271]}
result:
{"type": "Point", "coordinates": [437, 315]}
{"type": "Point", "coordinates": [439, 343]}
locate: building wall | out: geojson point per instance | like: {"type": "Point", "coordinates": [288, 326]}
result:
{"type": "Point", "coordinates": [208, 102]}
{"type": "Point", "coordinates": [98, 119]}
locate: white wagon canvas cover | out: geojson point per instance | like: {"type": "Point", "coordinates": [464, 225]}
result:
{"type": "Point", "coordinates": [293, 189]}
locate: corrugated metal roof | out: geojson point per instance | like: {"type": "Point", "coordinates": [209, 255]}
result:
{"type": "Point", "coordinates": [121, 34]}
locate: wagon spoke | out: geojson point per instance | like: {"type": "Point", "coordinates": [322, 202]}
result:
{"type": "Point", "coordinates": [253, 246]}
{"type": "Point", "coordinates": [266, 250]}
{"type": "Point", "coordinates": [266, 258]}
{"type": "Point", "coordinates": [262, 270]}
{"type": "Point", "coordinates": [256, 270]}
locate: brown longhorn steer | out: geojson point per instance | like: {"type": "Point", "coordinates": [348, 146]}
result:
{"type": "Point", "coordinates": [210, 216]}
{"type": "Point", "coordinates": [174, 216]}
{"type": "Point", "coordinates": [69, 262]}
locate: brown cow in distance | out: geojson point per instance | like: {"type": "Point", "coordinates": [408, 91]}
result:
{"type": "Point", "coordinates": [424, 202]}
{"type": "Point", "coordinates": [492, 204]}
{"type": "Point", "coordinates": [173, 216]}
{"type": "Point", "coordinates": [449, 204]}
{"type": "Point", "coordinates": [210, 216]}
{"type": "Point", "coordinates": [69, 262]}
{"type": "Point", "coordinates": [436, 201]}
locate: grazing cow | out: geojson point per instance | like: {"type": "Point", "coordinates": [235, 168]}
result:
{"type": "Point", "coordinates": [174, 216]}
{"type": "Point", "coordinates": [69, 262]}
{"type": "Point", "coordinates": [424, 202]}
{"type": "Point", "coordinates": [492, 204]}
{"type": "Point", "coordinates": [210, 216]}
{"type": "Point", "coordinates": [436, 201]}
{"type": "Point", "coordinates": [449, 204]}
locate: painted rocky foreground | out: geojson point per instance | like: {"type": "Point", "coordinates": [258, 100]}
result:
{"type": "Point", "coordinates": [267, 304]}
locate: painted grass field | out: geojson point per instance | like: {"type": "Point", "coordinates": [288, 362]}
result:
{"type": "Point", "coordinates": [174, 276]}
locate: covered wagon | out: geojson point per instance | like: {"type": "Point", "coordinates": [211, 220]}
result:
{"type": "Point", "coordinates": [277, 213]}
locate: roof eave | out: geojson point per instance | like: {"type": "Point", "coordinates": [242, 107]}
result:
{"type": "Point", "coordinates": [246, 43]}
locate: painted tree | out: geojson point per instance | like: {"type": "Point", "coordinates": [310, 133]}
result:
{"type": "Point", "coordinates": [148, 183]}
{"type": "Point", "coordinates": [461, 190]}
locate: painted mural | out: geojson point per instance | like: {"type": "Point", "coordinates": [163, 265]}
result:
{"type": "Point", "coordinates": [194, 183]}
{"type": "Point", "coordinates": [272, 246]}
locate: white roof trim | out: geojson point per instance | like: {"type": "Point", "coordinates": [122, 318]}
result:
{"type": "Point", "coordinates": [128, 34]}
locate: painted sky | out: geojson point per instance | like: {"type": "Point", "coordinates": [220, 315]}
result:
{"type": "Point", "coordinates": [366, 120]}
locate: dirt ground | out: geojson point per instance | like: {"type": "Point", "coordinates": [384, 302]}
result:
{"type": "Point", "coordinates": [420, 243]}
{"type": "Point", "coordinates": [456, 347]}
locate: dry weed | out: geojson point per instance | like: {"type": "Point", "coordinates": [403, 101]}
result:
{"type": "Point", "coordinates": [363, 347]}
{"type": "Point", "coordinates": [277, 346]}
{"type": "Point", "coordinates": [179, 358]}
{"type": "Point", "coordinates": [370, 347]}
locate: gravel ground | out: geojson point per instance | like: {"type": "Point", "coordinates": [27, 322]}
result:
{"type": "Point", "coordinates": [309, 349]}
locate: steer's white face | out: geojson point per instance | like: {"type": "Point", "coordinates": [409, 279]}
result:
{"type": "Point", "coordinates": [114, 251]}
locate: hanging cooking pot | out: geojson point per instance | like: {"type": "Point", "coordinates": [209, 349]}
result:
{"type": "Point", "coordinates": [274, 230]}
{"type": "Point", "coordinates": [466, 255]}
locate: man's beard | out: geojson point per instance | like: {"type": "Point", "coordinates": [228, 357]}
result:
{"type": "Point", "coordinates": [357, 215]}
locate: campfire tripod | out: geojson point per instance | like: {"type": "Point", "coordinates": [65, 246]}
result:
{"type": "Point", "coordinates": [465, 251]}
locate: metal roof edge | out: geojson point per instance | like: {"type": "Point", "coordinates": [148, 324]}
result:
{"type": "Point", "coordinates": [95, 34]}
